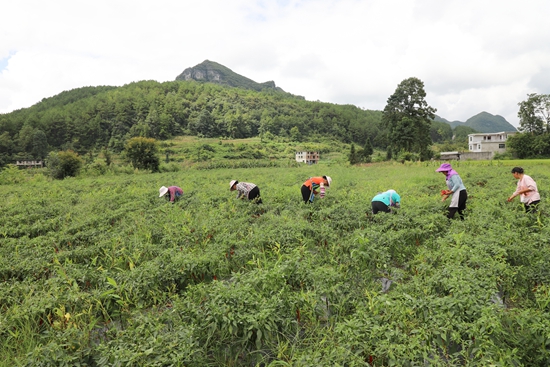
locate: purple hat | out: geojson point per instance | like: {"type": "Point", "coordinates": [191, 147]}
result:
{"type": "Point", "coordinates": [444, 167]}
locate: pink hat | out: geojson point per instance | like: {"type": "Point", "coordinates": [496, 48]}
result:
{"type": "Point", "coordinates": [444, 167]}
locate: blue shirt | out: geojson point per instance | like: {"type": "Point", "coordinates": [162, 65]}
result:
{"type": "Point", "coordinates": [454, 183]}
{"type": "Point", "coordinates": [386, 196]}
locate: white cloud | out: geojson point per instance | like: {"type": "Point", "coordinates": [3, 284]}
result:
{"type": "Point", "coordinates": [472, 56]}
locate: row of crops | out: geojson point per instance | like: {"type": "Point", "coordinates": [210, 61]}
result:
{"type": "Point", "coordinates": [98, 271]}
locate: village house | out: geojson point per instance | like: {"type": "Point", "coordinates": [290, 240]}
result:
{"type": "Point", "coordinates": [307, 157]}
{"type": "Point", "coordinates": [488, 142]}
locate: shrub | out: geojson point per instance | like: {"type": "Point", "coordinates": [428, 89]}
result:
{"type": "Point", "coordinates": [142, 153]}
{"type": "Point", "coordinates": [11, 175]}
{"type": "Point", "coordinates": [63, 164]}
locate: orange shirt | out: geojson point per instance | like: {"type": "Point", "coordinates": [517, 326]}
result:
{"type": "Point", "coordinates": [314, 182]}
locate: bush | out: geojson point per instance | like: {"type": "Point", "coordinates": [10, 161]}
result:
{"type": "Point", "coordinates": [502, 156]}
{"type": "Point", "coordinates": [11, 175]}
{"type": "Point", "coordinates": [142, 153]}
{"type": "Point", "coordinates": [63, 164]}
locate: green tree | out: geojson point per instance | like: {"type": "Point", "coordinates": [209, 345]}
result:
{"type": "Point", "coordinates": [295, 134]}
{"type": "Point", "coordinates": [534, 114]}
{"type": "Point", "coordinates": [63, 164]}
{"type": "Point", "coordinates": [353, 158]}
{"type": "Point", "coordinates": [521, 145]}
{"type": "Point", "coordinates": [25, 138]}
{"type": "Point", "coordinates": [409, 117]}
{"type": "Point", "coordinates": [142, 153]}
{"type": "Point", "coordinates": [6, 148]}
{"type": "Point", "coordinates": [440, 132]}
{"type": "Point", "coordinates": [366, 153]}
{"type": "Point", "coordinates": [39, 144]}
{"type": "Point", "coordinates": [107, 156]}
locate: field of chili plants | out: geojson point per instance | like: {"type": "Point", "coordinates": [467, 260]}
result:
{"type": "Point", "coordinates": [102, 272]}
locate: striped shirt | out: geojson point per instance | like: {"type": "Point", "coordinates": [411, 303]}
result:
{"type": "Point", "coordinates": [244, 188]}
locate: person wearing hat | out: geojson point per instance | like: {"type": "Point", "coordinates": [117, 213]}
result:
{"type": "Point", "coordinates": [526, 189]}
{"type": "Point", "coordinates": [174, 192]}
{"type": "Point", "coordinates": [310, 187]}
{"type": "Point", "coordinates": [384, 201]}
{"type": "Point", "coordinates": [246, 190]}
{"type": "Point", "coordinates": [456, 190]}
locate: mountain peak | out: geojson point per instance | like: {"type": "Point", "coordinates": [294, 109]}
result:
{"type": "Point", "coordinates": [483, 122]}
{"type": "Point", "coordinates": [212, 72]}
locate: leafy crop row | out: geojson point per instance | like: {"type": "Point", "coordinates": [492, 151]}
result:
{"type": "Point", "coordinates": [101, 272]}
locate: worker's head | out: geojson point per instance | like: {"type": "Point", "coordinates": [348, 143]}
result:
{"type": "Point", "coordinates": [232, 184]}
{"type": "Point", "coordinates": [162, 191]}
{"type": "Point", "coordinates": [444, 168]}
{"type": "Point", "coordinates": [517, 172]}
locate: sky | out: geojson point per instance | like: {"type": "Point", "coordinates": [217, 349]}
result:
{"type": "Point", "coordinates": [471, 55]}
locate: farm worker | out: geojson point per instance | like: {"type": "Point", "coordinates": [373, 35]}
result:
{"type": "Point", "coordinates": [527, 188]}
{"type": "Point", "coordinates": [383, 201]}
{"type": "Point", "coordinates": [456, 190]}
{"type": "Point", "coordinates": [173, 192]}
{"type": "Point", "coordinates": [310, 187]}
{"type": "Point", "coordinates": [246, 190]}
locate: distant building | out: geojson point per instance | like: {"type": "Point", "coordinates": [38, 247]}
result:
{"type": "Point", "coordinates": [449, 156]}
{"type": "Point", "coordinates": [307, 157]}
{"type": "Point", "coordinates": [29, 163]}
{"type": "Point", "coordinates": [489, 142]}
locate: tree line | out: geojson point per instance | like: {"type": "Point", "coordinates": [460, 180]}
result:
{"type": "Point", "coordinates": [534, 137]}
{"type": "Point", "coordinates": [106, 118]}
{"type": "Point", "coordinates": [94, 118]}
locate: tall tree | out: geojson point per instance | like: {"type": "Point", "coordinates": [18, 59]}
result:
{"type": "Point", "coordinates": [534, 114]}
{"type": "Point", "coordinates": [367, 151]}
{"type": "Point", "coordinates": [408, 117]}
{"type": "Point", "coordinates": [353, 158]}
{"type": "Point", "coordinates": [39, 144]}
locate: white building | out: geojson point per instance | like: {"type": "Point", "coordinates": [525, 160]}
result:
{"type": "Point", "coordinates": [489, 142]}
{"type": "Point", "coordinates": [307, 157]}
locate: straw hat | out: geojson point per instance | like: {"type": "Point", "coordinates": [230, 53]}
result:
{"type": "Point", "coordinates": [162, 191]}
{"type": "Point", "coordinates": [233, 182]}
{"type": "Point", "coordinates": [329, 180]}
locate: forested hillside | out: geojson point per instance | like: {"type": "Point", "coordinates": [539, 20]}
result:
{"type": "Point", "coordinates": [92, 118]}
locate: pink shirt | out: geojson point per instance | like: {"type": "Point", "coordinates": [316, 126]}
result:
{"type": "Point", "coordinates": [174, 192]}
{"type": "Point", "coordinates": [528, 197]}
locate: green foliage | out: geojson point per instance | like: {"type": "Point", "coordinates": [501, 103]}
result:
{"type": "Point", "coordinates": [409, 117]}
{"type": "Point", "coordinates": [100, 271]}
{"type": "Point", "coordinates": [11, 174]}
{"type": "Point", "coordinates": [63, 164]}
{"type": "Point", "coordinates": [39, 144]}
{"type": "Point", "coordinates": [143, 153]}
{"type": "Point", "coordinates": [534, 114]}
{"type": "Point", "coordinates": [93, 118]}
{"type": "Point", "coordinates": [461, 134]}
{"type": "Point", "coordinates": [440, 132]}
{"type": "Point", "coordinates": [364, 155]}
{"type": "Point", "coordinates": [534, 141]}
{"type": "Point", "coordinates": [528, 145]}
{"type": "Point", "coordinates": [353, 158]}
